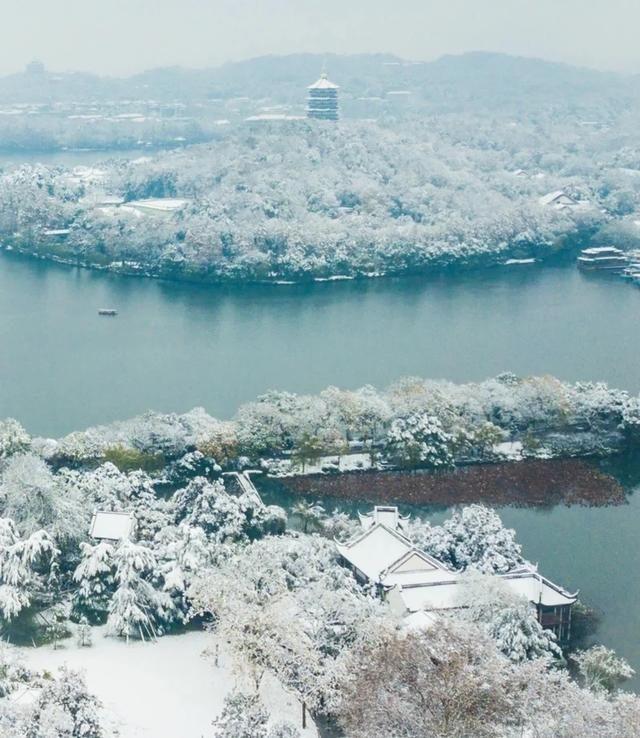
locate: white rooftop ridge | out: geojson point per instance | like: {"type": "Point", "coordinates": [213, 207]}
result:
{"type": "Point", "coordinates": [324, 83]}
{"type": "Point", "coordinates": [558, 197]}
{"type": "Point", "coordinates": [111, 526]}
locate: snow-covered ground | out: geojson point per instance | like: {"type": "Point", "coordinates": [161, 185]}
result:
{"type": "Point", "coordinates": [167, 689]}
{"type": "Point", "coordinates": [343, 463]}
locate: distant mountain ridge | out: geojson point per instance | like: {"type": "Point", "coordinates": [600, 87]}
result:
{"type": "Point", "coordinates": [448, 81]}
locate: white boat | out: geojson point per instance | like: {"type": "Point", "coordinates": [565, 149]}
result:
{"type": "Point", "coordinates": [603, 258]}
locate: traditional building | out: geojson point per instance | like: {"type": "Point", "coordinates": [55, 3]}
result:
{"type": "Point", "coordinates": [322, 103]}
{"type": "Point", "coordinates": [559, 200]}
{"type": "Point", "coordinates": [414, 582]}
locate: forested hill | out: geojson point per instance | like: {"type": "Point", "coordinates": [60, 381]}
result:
{"type": "Point", "coordinates": [478, 78]}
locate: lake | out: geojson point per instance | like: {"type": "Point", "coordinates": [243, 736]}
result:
{"type": "Point", "coordinates": [175, 346]}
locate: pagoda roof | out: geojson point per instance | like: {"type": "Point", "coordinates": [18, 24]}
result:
{"type": "Point", "coordinates": [324, 83]}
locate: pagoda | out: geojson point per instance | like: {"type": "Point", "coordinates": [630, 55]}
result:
{"type": "Point", "coordinates": [323, 99]}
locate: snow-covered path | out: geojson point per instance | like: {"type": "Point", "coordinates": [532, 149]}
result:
{"type": "Point", "coordinates": [167, 689]}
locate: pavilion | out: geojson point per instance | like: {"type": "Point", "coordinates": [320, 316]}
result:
{"type": "Point", "coordinates": [412, 581]}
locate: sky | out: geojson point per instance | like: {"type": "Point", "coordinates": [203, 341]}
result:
{"type": "Point", "coordinates": [121, 37]}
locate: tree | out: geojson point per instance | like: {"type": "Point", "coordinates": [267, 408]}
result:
{"type": "Point", "coordinates": [509, 619]}
{"type": "Point", "coordinates": [308, 449]}
{"type": "Point", "coordinates": [418, 440]}
{"type": "Point", "coordinates": [447, 681]}
{"type": "Point", "coordinates": [14, 439]}
{"type": "Point", "coordinates": [474, 536]}
{"type": "Point", "coordinates": [310, 514]}
{"type": "Point", "coordinates": [34, 500]}
{"type": "Point", "coordinates": [95, 577]}
{"type": "Point", "coordinates": [223, 517]}
{"type": "Point", "coordinates": [243, 716]}
{"type": "Point", "coordinates": [601, 669]}
{"type": "Point", "coordinates": [136, 608]}
{"type": "Point", "coordinates": [24, 564]}
{"type": "Point", "coordinates": [67, 704]}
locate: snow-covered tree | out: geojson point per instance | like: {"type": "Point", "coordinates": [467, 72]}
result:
{"type": "Point", "coordinates": [243, 716]}
{"type": "Point", "coordinates": [95, 579]}
{"type": "Point", "coordinates": [310, 515]}
{"type": "Point", "coordinates": [473, 536]}
{"type": "Point", "coordinates": [14, 439]}
{"type": "Point", "coordinates": [65, 709]}
{"type": "Point", "coordinates": [24, 566]}
{"type": "Point", "coordinates": [509, 619]}
{"type": "Point", "coordinates": [602, 668]}
{"type": "Point", "coordinates": [447, 681]}
{"type": "Point", "coordinates": [419, 440]}
{"type": "Point", "coordinates": [32, 497]}
{"type": "Point", "coordinates": [136, 609]}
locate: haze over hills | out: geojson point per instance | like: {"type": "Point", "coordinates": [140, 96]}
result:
{"type": "Point", "coordinates": [479, 79]}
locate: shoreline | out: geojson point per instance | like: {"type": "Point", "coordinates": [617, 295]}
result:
{"type": "Point", "coordinates": [530, 483]}
{"type": "Point", "coordinates": [491, 261]}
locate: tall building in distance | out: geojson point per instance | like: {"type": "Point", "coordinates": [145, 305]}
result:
{"type": "Point", "coordinates": [322, 103]}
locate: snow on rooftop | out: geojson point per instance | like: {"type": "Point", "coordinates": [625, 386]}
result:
{"type": "Point", "coordinates": [324, 83]}
{"type": "Point", "coordinates": [375, 550]}
{"type": "Point", "coordinates": [57, 232]}
{"type": "Point", "coordinates": [111, 526]}
{"type": "Point", "coordinates": [599, 250]}
{"type": "Point", "coordinates": [557, 197]}
{"type": "Point", "coordinates": [419, 620]}
{"type": "Point", "coordinates": [438, 592]}
{"type": "Point", "coordinates": [159, 204]}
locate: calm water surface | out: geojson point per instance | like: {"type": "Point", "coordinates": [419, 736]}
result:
{"type": "Point", "coordinates": [173, 347]}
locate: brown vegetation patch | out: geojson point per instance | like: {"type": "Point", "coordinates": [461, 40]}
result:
{"type": "Point", "coordinates": [531, 483]}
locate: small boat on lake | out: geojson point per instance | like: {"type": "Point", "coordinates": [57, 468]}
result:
{"type": "Point", "coordinates": [606, 258]}
{"type": "Point", "coordinates": [107, 311]}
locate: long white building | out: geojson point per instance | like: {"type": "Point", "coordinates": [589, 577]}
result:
{"type": "Point", "coordinates": [416, 584]}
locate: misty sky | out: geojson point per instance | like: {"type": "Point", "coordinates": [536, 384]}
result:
{"type": "Point", "coordinates": [125, 36]}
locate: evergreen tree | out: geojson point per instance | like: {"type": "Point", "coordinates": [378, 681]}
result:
{"type": "Point", "coordinates": [95, 576]}
{"type": "Point", "coordinates": [136, 608]}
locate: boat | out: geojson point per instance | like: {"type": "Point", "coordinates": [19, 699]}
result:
{"type": "Point", "coordinates": [606, 258]}
{"type": "Point", "coordinates": [631, 271]}
{"type": "Point", "coordinates": [107, 311]}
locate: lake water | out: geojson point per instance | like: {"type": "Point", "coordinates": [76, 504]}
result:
{"type": "Point", "coordinates": [172, 347]}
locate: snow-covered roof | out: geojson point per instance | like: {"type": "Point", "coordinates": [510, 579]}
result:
{"type": "Point", "coordinates": [538, 589]}
{"type": "Point", "coordinates": [557, 196]}
{"type": "Point", "coordinates": [441, 590]}
{"type": "Point", "coordinates": [324, 83]}
{"type": "Point", "coordinates": [419, 620]}
{"type": "Point", "coordinates": [159, 204]}
{"type": "Point", "coordinates": [111, 526]}
{"type": "Point", "coordinates": [375, 550]}
{"type": "Point", "coordinates": [601, 250]}
{"type": "Point", "coordinates": [387, 514]}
